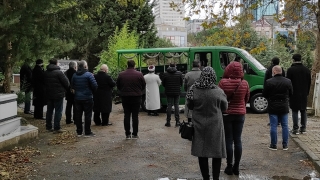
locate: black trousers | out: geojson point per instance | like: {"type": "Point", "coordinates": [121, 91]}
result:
{"type": "Point", "coordinates": [86, 107]}
{"type": "Point", "coordinates": [38, 112]}
{"type": "Point", "coordinates": [131, 106]}
{"type": "Point", "coordinates": [204, 168]}
{"type": "Point", "coordinates": [69, 116]}
{"type": "Point", "coordinates": [104, 118]}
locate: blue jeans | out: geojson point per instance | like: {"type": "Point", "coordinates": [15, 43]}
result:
{"type": "Point", "coordinates": [131, 107]}
{"type": "Point", "coordinates": [295, 119]}
{"type": "Point", "coordinates": [173, 100]}
{"type": "Point", "coordinates": [57, 106]}
{"type": "Point", "coordinates": [233, 125]}
{"type": "Point", "coordinates": [283, 119]}
{"type": "Point", "coordinates": [85, 106]}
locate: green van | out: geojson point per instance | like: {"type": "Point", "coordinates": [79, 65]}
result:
{"type": "Point", "coordinates": [218, 57]}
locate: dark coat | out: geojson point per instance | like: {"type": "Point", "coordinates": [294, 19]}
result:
{"type": "Point", "coordinates": [277, 90]}
{"type": "Point", "coordinates": [131, 83]}
{"type": "Point", "coordinates": [56, 82]}
{"type": "Point", "coordinates": [300, 77]}
{"type": "Point", "coordinates": [172, 82]}
{"type": "Point", "coordinates": [268, 74]}
{"type": "Point", "coordinates": [25, 78]}
{"type": "Point", "coordinates": [209, 138]}
{"type": "Point", "coordinates": [103, 95]}
{"type": "Point", "coordinates": [232, 76]}
{"type": "Point", "coordinates": [38, 83]}
{"type": "Point", "coordinates": [69, 73]}
{"type": "Point", "coordinates": [84, 85]}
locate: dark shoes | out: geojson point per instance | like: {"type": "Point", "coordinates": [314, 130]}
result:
{"type": "Point", "coordinates": [108, 124]}
{"type": "Point", "coordinates": [135, 137]}
{"type": "Point", "coordinates": [168, 124]}
{"type": "Point", "coordinates": [235, 170]}
{"type": "Point", "coordinates": [153, 114]}
{"type": "Point", "coordinates": [69, 122]}
{"type": "Point", "coordinates": [128, 137]}
{"type": "Point", "coordinates": [58, 131]}
{"type": "Point", "coordinates": [303, 131]}
{"type": "Point", "coordinates": [295, 131]}
{"type": "Point", "coordinates": [273, 147]}
{"type": "Point", "coordinates": [28, 112]}
{"type": "Point", "coordinates": [285, 147]}
{"type": "Point", "coordinates": [90, 135]}
{"type": "Point", "coordinates": [228, 170]}
{"type": "Point", "coordinates": [177, 123]}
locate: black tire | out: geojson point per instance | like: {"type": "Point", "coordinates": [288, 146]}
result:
{"type": "Point", "coordinates": [143, 103]}
{"type": "Point", "coordinates": [258, 103]}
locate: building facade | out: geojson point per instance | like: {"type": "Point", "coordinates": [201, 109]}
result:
{"type": "Point", "coordinates": [177, 35]}
{"type": "Point", "coordinates": [265, 8]}
{"type": "Point", "coordinates": [195, 25]}
{"type": "Point", "coordinates": [166, 15]}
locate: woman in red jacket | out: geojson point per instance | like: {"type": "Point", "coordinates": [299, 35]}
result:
{"type": "Point", "coordinates": [237, 91]}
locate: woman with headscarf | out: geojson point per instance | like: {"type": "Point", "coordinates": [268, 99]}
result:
{"type": "Point", "coordinates": [238, 94]}
{"type": "Point", "coordinates": [152, 91]}
{"type": "Point", "coordinates": [208, 102]}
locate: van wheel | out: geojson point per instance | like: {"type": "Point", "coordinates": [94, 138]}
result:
{"type": "Point", "coordinates": [143, 103]}
{"type": "Point", "coordinates": [258, 103]}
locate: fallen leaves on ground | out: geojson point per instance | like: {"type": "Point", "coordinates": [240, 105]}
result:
{"type": "Point", "coordinates": [15, 164]}
{"type": "Point", "coordinates": [67, 137]}
{"type": "Point", "coordinates": [306, 162]}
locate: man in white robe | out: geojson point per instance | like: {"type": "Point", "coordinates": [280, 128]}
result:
{"type": "Point", "coordinates": [152, 91]}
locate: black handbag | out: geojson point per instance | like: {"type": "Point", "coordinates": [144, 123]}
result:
{"type": "Point", "coordinates": [186, 130]}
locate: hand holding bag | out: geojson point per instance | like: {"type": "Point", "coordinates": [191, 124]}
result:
{"type": "Point", "coordinates": [186, 130]}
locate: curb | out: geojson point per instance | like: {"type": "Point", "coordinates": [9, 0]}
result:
{"type": "Point", "coordinates": [311, 156]}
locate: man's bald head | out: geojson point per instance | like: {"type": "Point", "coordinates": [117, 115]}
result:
{"type": "Point", "coordinates": [104, 68]}
{"type": "Point", "coordinates": [276, 70]}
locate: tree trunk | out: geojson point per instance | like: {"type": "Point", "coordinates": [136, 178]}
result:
{"type": "Point", "coordinates": [316, 63]}
{"type": "Point", "coordinates": [7, 70]}
{"type": "Point", "coordinates": [7, 78]}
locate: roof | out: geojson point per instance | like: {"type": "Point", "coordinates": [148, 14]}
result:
{"type": "Point", "coordinates": [172, 49]}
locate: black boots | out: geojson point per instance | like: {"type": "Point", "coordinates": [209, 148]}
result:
{"type": "Point", "coordinates": [235, 169]}
{"type": "Point", "coordinates": [228, 169]}
{"type": "Point", "coordinates": [168, 124]}
{"type": "Point", "coordinates": [177, 123]}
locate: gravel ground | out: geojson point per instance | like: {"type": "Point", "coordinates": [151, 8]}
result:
{"type": "Point", "coordinates": [160, 153]}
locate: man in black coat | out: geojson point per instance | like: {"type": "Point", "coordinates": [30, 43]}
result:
{"type": "Point", "coordinates": [274, 61]}
{"type": "Point", "coordinates": [172, 82]}
{"type": "Point", "coordinates": [39, 98]}
{"type": "Point", "coordinates": [103, 97]}
{"type": "Point", "coordinates": [278, 90]}
{"type": "Point", "coordinates": [300, 77]}
{"type": "Point", "coordinates": [56, 84]}
{"type": "Point", "coordinates": [26, 84]}
{"type": "Point", "coordinates": [69, 95]}
{"type": "Point", "coordinates": [131, 84]}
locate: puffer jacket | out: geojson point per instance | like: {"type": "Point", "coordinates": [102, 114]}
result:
{"type": "Point", "coordinates": [172, 81]}
{"type": "Point", "coordinates": [56, 82]}
{"type": "Point", "coordinates": [84, 84]}
{"type": "Point", "coordinates": [232, 77]}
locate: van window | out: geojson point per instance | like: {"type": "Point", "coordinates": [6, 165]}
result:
{"type": "Point", "coordinates": [227, 57]}
{"type": "Point", "coordinates": [204, 58]}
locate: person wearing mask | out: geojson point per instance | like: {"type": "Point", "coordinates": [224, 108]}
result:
{"type": "Point", "coordinates": [277, 90]}
{"type": "Point", "coordinates": [300, 77]}
{"type": "Point", "coordinates": [26, 84]}
{"type": "Point", "coordinates": [238, 94]}
{"type": "Point", "coordinates": [103, 97]}
{"type": "Point", "coordinates": [131, 84]}
{"type": "Point", "coordinates": [69, 95]}
{"type": "Point", "coordinates": [172, 82]}
{"type": "Point", "coordinates": [56, 85]}
{"type": "Point", "coordinates": [83, 84]}
{"type": "Point", "coordinates": [208, 102]}
{"type": "Point", "coordinates": [189, 79]}
{"type": "Point", "coordinates": [152, 91]}
{"type": "Point", "coordinates": [39, 97]}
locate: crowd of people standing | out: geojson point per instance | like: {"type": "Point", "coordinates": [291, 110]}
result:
{"type": "Point", "coordinates": [216, 110]}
